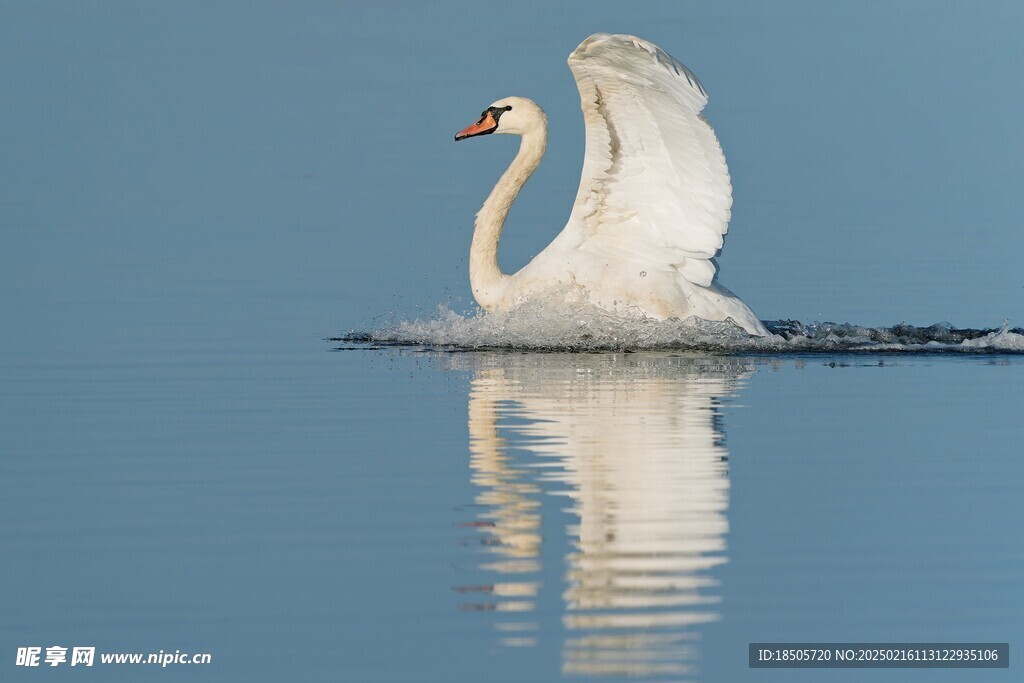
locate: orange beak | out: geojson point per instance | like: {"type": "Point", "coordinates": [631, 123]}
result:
{"type": "Point", "coordinates": [485, 125]}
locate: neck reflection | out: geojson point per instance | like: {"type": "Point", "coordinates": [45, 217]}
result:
{"type": "Point", "coordinates": [637, 446]}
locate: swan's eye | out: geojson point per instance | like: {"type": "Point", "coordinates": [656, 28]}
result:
{"type": "Point", "coordinates": [508, 107]}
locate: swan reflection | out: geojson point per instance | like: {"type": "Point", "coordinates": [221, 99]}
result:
{"type": "Point", "coordinates": [634, 445]}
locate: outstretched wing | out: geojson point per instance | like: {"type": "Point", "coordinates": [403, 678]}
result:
{"type": "Point", "coordinates": [655, 186]}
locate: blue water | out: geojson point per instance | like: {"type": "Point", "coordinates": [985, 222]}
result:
{"type": "Point", "coordinates": [199, 203]}
{"type": "Point", "coordinates": [384, 515]}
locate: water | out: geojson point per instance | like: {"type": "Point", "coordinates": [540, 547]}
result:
{"type": "Point", "coordinates": [449, 515]}
{"type": "Point", "coordinates": [549, 324]}
{"type": "Point", "coordinates": [199, 203]}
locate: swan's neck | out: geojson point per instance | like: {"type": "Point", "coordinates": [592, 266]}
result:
{"type": "Point", "coordinates": [485, 276]}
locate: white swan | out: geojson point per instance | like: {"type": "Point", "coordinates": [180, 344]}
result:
{"type": "Point", "coordinates": [653, 203]}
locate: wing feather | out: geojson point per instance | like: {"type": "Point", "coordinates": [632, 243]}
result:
{"type": "Point", "coordinates": [655, 186]}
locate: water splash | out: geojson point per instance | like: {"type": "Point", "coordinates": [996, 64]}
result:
{"type": "Point", "coordinates": [539, 327]}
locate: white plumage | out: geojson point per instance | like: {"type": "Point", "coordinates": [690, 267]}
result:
{"type": "Point", "coordinates": [654, 199]}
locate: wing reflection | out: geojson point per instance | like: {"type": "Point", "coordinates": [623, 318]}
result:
{"type": "Point", "coordinates": [636, 445]}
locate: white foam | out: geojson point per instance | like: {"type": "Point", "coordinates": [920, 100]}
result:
{"type": "Point", "coordinates": [578, 327]}
{"type": "Point", "coordinates": [1001, 340]}
{"type": "Point", "coordinates": [539, 326]}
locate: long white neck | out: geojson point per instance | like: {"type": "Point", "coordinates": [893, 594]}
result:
{"type": "Point", "coordinates": [485, 276]}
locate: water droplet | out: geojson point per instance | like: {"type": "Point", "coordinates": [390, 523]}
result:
{"type": "Point", "coordinates": [643, 273]}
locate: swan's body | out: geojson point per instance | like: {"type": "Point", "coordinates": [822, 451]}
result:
{"type": "Point", "coordinates": [654, 200]}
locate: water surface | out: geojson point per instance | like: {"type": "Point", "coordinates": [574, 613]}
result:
{"type": "Point", "coordinates": [517, 516]}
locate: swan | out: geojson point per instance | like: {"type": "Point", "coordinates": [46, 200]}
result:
{"type": "Point", "coordinates": [654, 198]}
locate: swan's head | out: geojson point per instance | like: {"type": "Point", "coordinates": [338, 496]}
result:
{"type": "Point", "coordinates": [512, 115]}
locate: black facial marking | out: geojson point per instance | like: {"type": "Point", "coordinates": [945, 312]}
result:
{"type": "Point", "coordinates": [495, 113]}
